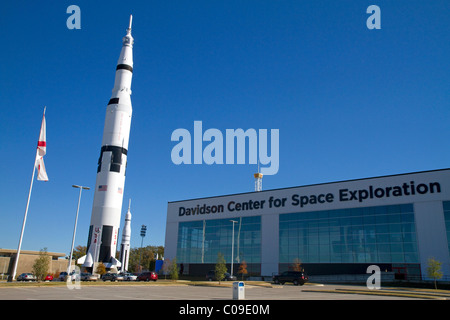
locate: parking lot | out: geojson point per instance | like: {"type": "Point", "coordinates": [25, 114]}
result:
{"type": "Point", "coordinates": [187, 291]}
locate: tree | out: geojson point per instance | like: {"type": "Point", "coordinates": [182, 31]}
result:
{"type": "Point", "coordinates": [41, 265]}
{"type": "Point", "coordinates": [166, 267]}
{"type": "Point", "coordinates": [297, 265]}
{"type": "Point", "coordinates": [220, 268]}
{"type": "Point", "coordinates": [101, 269]}
{"type": "Point", "coordinates": [144, 258]}
{"type": "Point", "coordinates": [434, 270]}
{"type": "Point", "coordinates": [173, 269]}
{"type": "Point", "coordinates": [243, 269]}
{"type": "Point", "coordinates": [78, 252]}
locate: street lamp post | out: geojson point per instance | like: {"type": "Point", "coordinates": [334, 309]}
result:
{"type": "Point", "coordinates": [143, 232]}
{"type": "Point", "coordinates": [232, 246]}
{"type": "Point", "coordinates": [75, 227]}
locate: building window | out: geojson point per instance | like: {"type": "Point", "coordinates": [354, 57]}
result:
{"type": "Point", "coordinates": [201, 241]}
{"type": "Point", "coordinates": [446, 205]}
{"type": "Point", "coordinates": [382, 234]}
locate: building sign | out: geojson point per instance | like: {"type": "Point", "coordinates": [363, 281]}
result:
{"type": "Point", "coordinates": [312, 200]}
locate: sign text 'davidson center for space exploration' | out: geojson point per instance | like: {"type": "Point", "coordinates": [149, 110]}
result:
{"type": "Point", "coordinates": [405, 189]}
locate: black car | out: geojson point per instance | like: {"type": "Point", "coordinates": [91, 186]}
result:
{"type": "Point", "coordinates": [210, 276]}
{"type": "Point", "coordinates": [296, 277]}
{"type": "Point", "coordinates": [110, 276]}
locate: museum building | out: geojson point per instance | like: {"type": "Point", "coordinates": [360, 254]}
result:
{"type": "Point", "coordinates": [396, 222]}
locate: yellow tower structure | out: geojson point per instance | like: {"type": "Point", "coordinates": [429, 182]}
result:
{"type": "Point", "coordinates": [258, 181]}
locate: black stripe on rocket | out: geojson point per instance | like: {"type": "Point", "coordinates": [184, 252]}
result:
{"type": "Point", "coordinates": [116, 157]}
{"type": "Point", "coordinates": [125, 66]}
{"type": "Point", "coordinates": [113, 101]}
{"type": "Point", "coordinates": [105, 247]}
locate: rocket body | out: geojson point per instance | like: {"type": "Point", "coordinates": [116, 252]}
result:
{"type": "Point", "coordinates": [110, 182]}
{"type": "Point", "coordinates": [125, 246]}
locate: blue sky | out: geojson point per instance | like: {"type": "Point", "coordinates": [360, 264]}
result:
{"type": "Point", "coordinates": [349, 102]}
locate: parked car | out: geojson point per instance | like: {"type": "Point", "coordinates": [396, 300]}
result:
{"type": "Point", "coordinates": [26, 277]}
{"type": "Point", "coordinates": [147, 276]}
{"type": "Point", "coordinates": [119, 277]}
{"type": "Point", "coordinates": [75, 276]}
{"type": "Point", "coordinates": [62, 276]}
{"type": "Point", "coordinates": [129, 277]}
{"type": "Point", "coordinates": [84, 276]}
{"type": "Point", "coordinates": [211, 275]}
{"type": "Point", "coordinates": [296, 277]}
{"type": "Point", "coordinates": [49, 277]}
{"type": "Point", "coordinates": [110, 276]}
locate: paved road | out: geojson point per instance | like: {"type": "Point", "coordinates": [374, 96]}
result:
{"type": "Point", "coordinates": [197, 302]}
{"type": "Point", "coordinates": [169, 292]}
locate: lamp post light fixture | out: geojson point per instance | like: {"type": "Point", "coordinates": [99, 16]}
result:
{"type": "Point", "coordinates": [75, 227]}
{"type": "Point", "coordinates": [232, 246]}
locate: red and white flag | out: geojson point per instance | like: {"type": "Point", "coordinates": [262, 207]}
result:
{"type": "Point", "coordinates": [41, 151]}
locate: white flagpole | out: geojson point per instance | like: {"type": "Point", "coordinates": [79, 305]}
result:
{"type": "Point", "coordinates": [24, 221]}
{"type": "Point", "coordinates": [26, 213]}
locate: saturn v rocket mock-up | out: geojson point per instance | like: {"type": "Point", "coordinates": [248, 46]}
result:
{"type": "Point", "coordinates": [109, 188]}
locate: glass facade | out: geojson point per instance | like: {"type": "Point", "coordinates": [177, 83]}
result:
{"type": "Point", "coordinates": [201, 241]}
{"type": "Point", "coordinates": [382, 234]}
{"type": "Point", "coordinates": [447, 221]}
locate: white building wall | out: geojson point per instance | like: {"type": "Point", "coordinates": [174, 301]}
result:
{"type": "Point", "coordinates": [431, 235]}
{"type": "Point", "coordinates": [170, 248]}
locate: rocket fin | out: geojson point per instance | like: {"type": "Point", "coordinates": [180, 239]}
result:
{"type": "Point", "coordinates": [113, 263]}
{"type": "Point", "coordinates": [81, 260]}
{"type": "Point", "coordinates": [86, 261]}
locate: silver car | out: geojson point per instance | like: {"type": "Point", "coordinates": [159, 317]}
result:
{"type": "Point", "coordinates": [129, 277]}
{"type": "Point", "coordinates": [26, 277]}
{"type": "Point", "coordinates": [84, 276]}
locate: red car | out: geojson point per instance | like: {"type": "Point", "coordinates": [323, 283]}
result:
{"type": "Point", "coordinates": [147, 276]}
{"type": "Point", "coordinates": [49, 277]}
